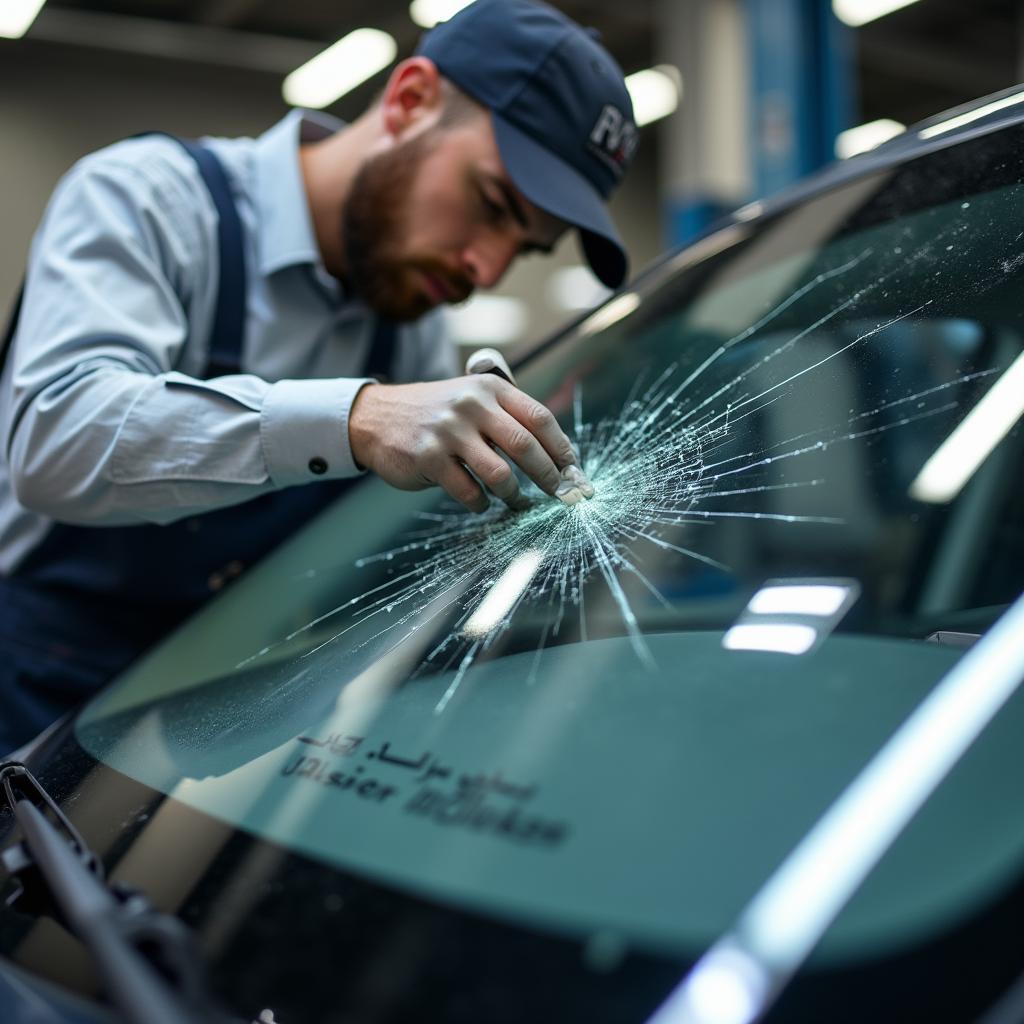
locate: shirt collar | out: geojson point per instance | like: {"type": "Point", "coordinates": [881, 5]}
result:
{"type": "Point", "coordinates": [285, 227]}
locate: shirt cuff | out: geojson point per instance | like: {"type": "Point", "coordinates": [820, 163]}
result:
{"type": "Point", "coordinates": [304, 429]}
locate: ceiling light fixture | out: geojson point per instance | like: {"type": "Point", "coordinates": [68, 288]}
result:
{"type": "Point", "coordinates": [340, 68]}
{"type": "Point", "coordinates": [782, 637]}
{"type": "Point", "coordinates": [860, 12]}
{"type": "Point", "coordinates": [655, 92]}
{"type": "Point", "coordinates": [427, 13]}
{"type": "Point", "coordinates": [16, 16]}
{"type": "Point", "coordinates": [866, 137]}
{"type": "Point", "coordinates": [791, 616]}
{"type": "Point", "coordinates": [800, 599]}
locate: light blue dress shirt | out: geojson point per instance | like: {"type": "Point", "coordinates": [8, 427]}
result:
{"type": "Point", "coordinates": [104, 418]}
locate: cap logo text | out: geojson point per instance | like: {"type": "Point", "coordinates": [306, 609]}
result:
{"type": "Point", "coordinates": [614, 137]}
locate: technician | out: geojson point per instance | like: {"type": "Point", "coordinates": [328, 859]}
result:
{"type": "Point", "coordinates": [195, 368]}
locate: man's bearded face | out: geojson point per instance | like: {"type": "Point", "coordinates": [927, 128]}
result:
{"type": "Point", "coordinates": [398, 284]}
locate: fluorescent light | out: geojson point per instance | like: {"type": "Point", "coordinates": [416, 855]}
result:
{"type": "Point", "coordinates": [774, 618]}
{"type": "Point", "coordinates": [576, 288]}
{"type": "Point", "coordinates": [972, 115]}
{"type": "Point", "coordinates": [618, 309]}
{"type": "Point", "coordinates": [500, 599]}
{"type": "Point", "coordinates": [427, 13]}
{"type": "Point", "coordinates": [340, 68]}
{"type": "Point", "coordinates": [796, 599]}
{"type": "Point", "coordinates": [860, 12]}
{"type": "Point", "coordinates": [959, 456]}
{"type": "Point", "coordinates": [866, 137]}
{"type": "Point", "coordinates": [785, 638]}
{"type": "Point", "coordinates": [655, 92]}
{"type": "Point", "coordinates": [726, 987]}
{"type": "Point", "coordinates": [488, 320]}
{"type": "Point", "coordinates": [16, 16]}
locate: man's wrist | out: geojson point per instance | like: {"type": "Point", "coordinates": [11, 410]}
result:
{"type": "Point", "coordinates": [360, 431]}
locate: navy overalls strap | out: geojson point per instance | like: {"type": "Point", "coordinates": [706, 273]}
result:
{"type": "Point", "coordinates": [94, 598]}
{"type": "Point", "coordinates": [228, 332]}
{"type": "Point", "coordinates": [225, 352]}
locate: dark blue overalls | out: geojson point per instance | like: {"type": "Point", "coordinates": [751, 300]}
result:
{"type": "Point", "coordinates": [89, 600]}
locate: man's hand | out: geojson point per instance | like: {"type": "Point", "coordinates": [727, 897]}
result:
{"type": "Point", "coordinates": [417, 435]}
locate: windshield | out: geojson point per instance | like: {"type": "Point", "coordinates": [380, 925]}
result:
{"type": "Point", "coordinates": [804, 469]}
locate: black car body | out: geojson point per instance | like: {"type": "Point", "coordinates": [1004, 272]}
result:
{"type": "Point", "coordinates": [421, 765]}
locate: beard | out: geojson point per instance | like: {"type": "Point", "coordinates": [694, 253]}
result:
{"type": "Point", "coordinates": [374, 224]}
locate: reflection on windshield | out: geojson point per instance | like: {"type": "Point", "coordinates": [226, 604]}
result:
{"type": "Point", "coordinates": [676, 458]}
{"type": "Point", "coordinates": [789, 915]}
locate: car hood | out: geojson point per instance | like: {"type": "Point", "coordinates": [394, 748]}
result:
{"type": "Point", "coordinates": [569, 789]}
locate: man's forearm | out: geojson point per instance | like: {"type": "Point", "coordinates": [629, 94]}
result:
{"type": "Point", "coordinates": [112, 447]}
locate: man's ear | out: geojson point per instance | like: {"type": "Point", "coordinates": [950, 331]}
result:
{"type": "Point", "coordinates": [412, 97]}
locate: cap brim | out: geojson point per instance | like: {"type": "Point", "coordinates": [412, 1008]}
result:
{"type": "Point", "coordinates": [562, 191]}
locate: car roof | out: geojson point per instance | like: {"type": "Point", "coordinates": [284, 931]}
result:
{"type": "Point", "coordinates": [979, 117]}
{"type": "Point", "coordinates": [982, 116]}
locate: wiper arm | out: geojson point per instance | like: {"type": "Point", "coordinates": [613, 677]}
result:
{"type": "Point", "coordinates": [150, 969]}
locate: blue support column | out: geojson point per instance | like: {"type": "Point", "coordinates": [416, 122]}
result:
{"type": "Point", "coordinates": [839, 99]}
{"type": "Point", "coordinates": [801, 88]}
{"type": "Point", "coordinates": [704, 146]}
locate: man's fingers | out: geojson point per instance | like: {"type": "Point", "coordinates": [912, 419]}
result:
{"type": "Point", "coordinates": [572, 485]}
{"type": "Point", "coordinates": [496, 475]}
{"type": "Point", "coordinates": [460, 485]}
{"type": "Point", "coordinates": [575, 486]}
{"type": "Point", "coordinates": [523, 448]}
{"type": "Point", "coordinates": [540, 422]}
{"type": "Point", "coordinates": [415, 434]}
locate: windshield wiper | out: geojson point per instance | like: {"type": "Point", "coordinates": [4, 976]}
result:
{"type": "Point", "coordinates": [150, 968]}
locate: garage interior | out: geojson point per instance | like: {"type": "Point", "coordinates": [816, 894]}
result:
{"type": "Point", "coordinates": [766, 87]}
{"type": "Point", "coordinates": [219, 742]}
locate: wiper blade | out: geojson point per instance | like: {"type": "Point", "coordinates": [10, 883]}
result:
{"type": "Point", "coordinates": [150, 969]}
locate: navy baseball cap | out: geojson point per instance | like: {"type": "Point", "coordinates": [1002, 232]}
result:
{"type": "Point", "coordinates": [561, 112]}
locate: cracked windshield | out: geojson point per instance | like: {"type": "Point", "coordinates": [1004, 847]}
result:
{"type": "Point", "coordinates": [513, 711]}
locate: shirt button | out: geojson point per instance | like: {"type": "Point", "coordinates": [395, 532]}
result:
{"type": "Point", "coordinates": [318, 465]}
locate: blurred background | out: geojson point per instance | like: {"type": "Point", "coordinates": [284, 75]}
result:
{"type": "Point", "coordinates": [738, 99]}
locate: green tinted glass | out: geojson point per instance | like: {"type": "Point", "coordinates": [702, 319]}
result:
{"type": "Point", "coordinates": [533, 714]}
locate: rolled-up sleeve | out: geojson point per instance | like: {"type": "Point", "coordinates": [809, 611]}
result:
{"type": "Point", "coordinates": [101, 425]}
